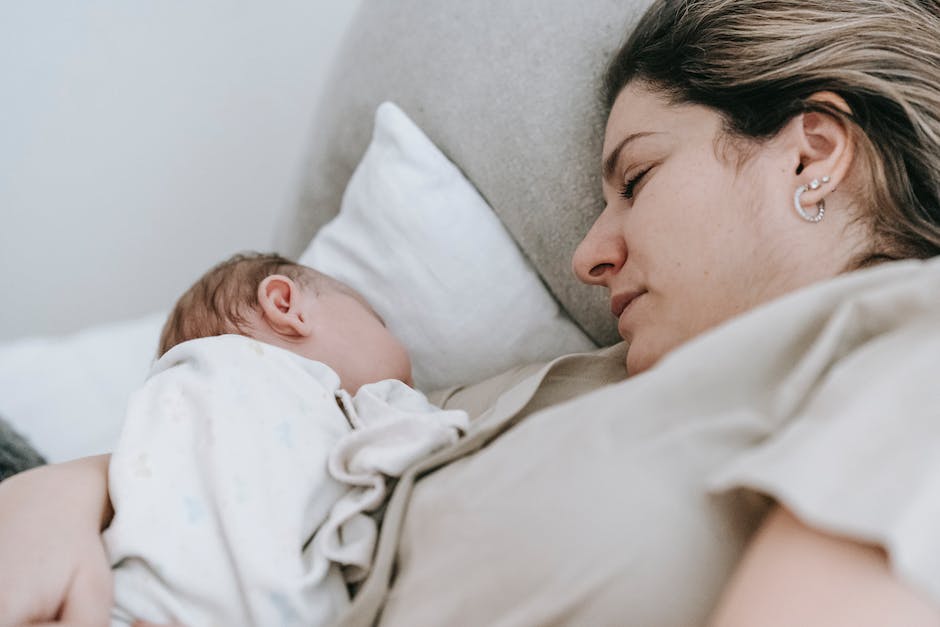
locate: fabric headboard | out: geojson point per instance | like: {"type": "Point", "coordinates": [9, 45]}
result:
{"type": "Point", "coordinates": [509, 90]}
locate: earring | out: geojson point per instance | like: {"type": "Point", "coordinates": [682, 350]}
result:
{"type": "Point", "coordinates": [820, 206]}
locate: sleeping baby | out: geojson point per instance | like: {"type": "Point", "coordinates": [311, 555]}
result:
{"type": "Point", "coordinates": [252, 455]}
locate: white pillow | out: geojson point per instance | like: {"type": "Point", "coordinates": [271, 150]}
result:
{"type": "Point", "coordinates": [68, 394]}
{"type": "Point", "coordinates": [421, 244]}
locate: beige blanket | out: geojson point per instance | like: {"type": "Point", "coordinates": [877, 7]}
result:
{"type": "Point", "coordinates": [582, 499]}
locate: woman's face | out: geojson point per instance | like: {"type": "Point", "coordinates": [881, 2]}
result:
{"type": "Point", "coordinates": [690, 236]}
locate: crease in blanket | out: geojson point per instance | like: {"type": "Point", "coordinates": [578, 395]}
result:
{"type": "Point", "coordinates": [16, 454]}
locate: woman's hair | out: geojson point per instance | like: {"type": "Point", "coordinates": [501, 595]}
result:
{"type": "Point", "coordinates": [757, 62]}
{"type": "Point", "coordinates": [216, 304]}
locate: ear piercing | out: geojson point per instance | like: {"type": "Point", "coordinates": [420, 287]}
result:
{"type": "Point", "coordinates": [816, 184]}
{"type": "Point", "coordinates": [820, 206]}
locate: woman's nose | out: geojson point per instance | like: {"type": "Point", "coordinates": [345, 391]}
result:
{"type": "Point", "coordinates": [602, 252]}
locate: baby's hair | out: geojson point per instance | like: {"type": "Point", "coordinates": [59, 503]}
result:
{"type": "Point", "coordinates": [218, 302]}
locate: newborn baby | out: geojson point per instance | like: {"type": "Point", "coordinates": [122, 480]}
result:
{"type": "Point", "coordinates": [248, 460]}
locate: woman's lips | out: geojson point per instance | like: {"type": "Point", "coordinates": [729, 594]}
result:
{"type": "Point", "coordinates": [621, 302]}
{"type": "Point", "coordinates": [621, 307]}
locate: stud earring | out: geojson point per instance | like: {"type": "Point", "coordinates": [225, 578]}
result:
{"type": "Point", "coordinates": [820, 206]}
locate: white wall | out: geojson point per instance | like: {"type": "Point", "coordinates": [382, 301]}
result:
{"type": "Point", "coordinates": [141, 142]}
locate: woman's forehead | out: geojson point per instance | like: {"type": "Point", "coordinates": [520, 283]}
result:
{"type": "Point", "coordinates": [640, 114]}
{"type": "Point", "coordinates": [641, 103]}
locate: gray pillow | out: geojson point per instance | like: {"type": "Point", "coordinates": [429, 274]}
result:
{"type": "Point", "coordinates": [16, 455]}
{"type": "Point", "coordinates": [509, 90]}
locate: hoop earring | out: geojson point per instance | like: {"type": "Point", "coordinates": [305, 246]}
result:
{"type": "Point", "coordinates": [820, 206]}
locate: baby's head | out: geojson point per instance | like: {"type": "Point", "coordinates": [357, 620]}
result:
{"type": "Point", "coordinates": [279, 302]}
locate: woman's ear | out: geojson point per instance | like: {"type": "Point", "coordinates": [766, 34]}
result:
{"type": "Point", "coordinates": [282, 309]}
{"type": "Point", "coordinates": [826, 147]}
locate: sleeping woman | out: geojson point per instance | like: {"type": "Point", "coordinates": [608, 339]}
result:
{"type": "Point", "coordinates": [771, 170]}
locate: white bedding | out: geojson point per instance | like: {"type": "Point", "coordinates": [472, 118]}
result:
{"type": "Point", "coordinates": [68, 394]}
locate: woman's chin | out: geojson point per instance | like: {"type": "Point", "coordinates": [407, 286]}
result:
{"type": "Point", "coordinates": [639, 360]}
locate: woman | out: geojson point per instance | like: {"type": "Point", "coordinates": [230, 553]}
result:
{"type": "Point", "coordinates": [755, 151]}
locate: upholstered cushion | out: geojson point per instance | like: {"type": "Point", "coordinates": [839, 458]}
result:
{"type": "Point", "coordinates": [509, 90]}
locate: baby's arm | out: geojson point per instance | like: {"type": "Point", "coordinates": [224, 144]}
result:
{"type": "Point", "coordinates": [54, 565]}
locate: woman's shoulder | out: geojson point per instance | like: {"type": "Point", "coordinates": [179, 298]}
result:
{"type": "Point", "coordinates": [852, 432]}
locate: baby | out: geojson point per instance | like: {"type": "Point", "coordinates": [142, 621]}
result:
{"type": "Point", "coordinates": [248, 460]}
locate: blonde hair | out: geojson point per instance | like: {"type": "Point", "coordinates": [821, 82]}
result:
{"type": "Point", "coordinates": [757, 62]}
{"type": "Point", "coordinates": [217, 303]}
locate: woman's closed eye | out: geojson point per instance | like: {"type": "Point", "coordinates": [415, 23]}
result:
{"type": "Point", "coordinates": [629, 188]}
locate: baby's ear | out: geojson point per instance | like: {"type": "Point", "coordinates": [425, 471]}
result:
{"type": "Point", "coordinates": [281, 302]}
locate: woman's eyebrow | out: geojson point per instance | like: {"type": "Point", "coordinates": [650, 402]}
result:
{"type": "Point", "coordinates": [610, 161]}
